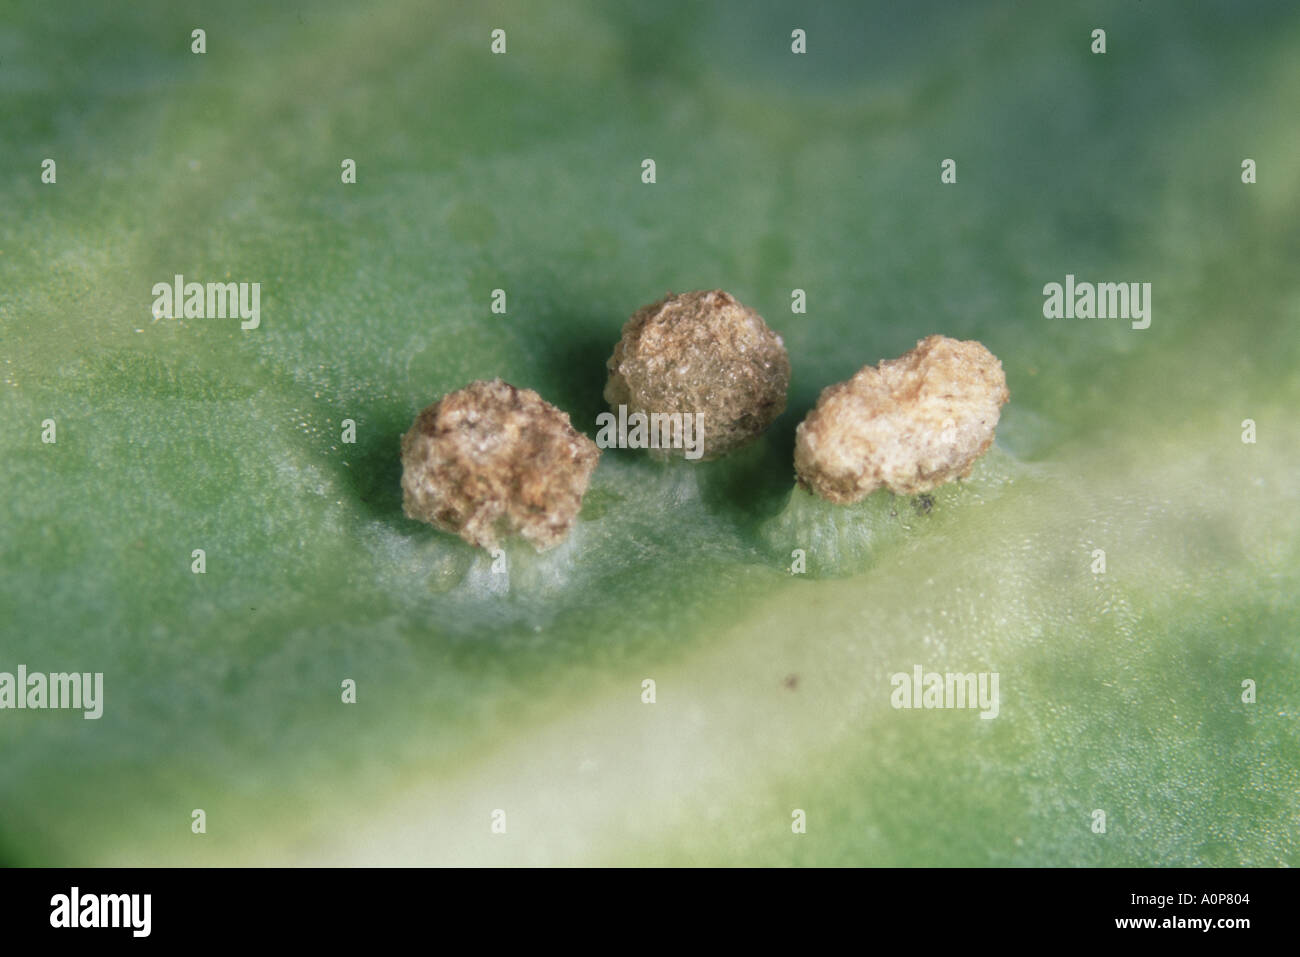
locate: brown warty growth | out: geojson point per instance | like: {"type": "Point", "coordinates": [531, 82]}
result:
{"type": "Point", "coordinates": [909, 424]}
{"type": "Point", "coordinates": [489, 461]}
{"type": "Point", "coordinates": [701, 352]}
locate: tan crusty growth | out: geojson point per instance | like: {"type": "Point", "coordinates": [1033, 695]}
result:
{"type": "Point", "coordinates": [909, 424]}
{"type": "Point", "coordinates": [702, 352]}
{"type": "Point", "coordinates": [490, 460]}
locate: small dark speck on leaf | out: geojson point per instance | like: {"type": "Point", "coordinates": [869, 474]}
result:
{"type": "Point", "coordinates": [791, 681]}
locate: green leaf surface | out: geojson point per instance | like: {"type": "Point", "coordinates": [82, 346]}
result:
{"type": "Point", "coordinates": [478, 691]}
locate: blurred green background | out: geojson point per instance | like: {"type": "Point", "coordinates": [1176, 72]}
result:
{"type": "Point", "coordinates": [775, 171]}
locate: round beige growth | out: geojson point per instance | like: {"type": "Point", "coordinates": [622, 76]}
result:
{"type": "Point", "coordinates": [701, 352]}
{"type": "Point", "coordinates": [909, 424]}
{"type": "Point", "coordinates": [490, 460]}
